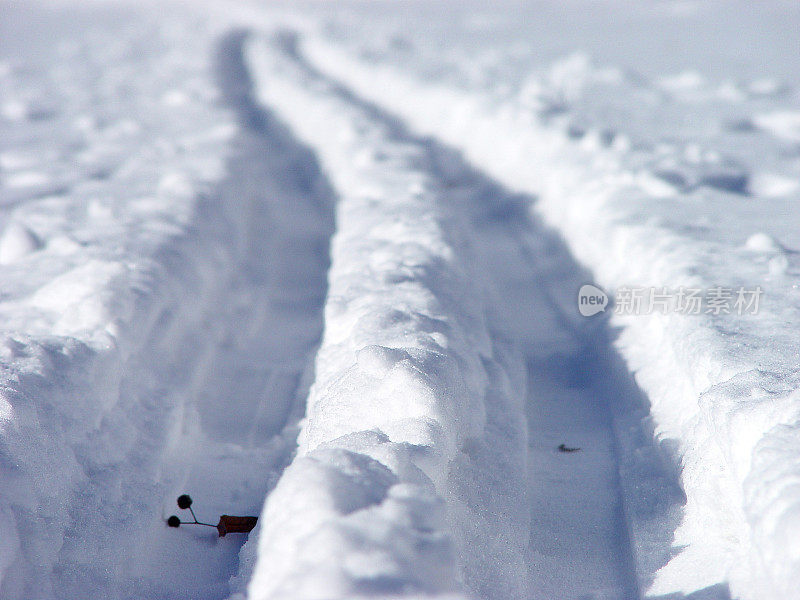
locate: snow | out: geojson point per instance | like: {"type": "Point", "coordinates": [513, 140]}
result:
{"type": "Point", "coordinates": [400, 377]}
{"type": "Point", "coordinates": [594, 197]}
{"type": "Point", "coordinates": [148, 349]}
{"type": "Point", "coordinates": [782, 124]}
{"type": "Point", "coordinates": [16, 242]}
{"type": "Point", "coordinates": [320, 263]}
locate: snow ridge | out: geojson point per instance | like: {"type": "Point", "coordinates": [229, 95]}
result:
{"type": "Point", "coordinates": [369, 505]}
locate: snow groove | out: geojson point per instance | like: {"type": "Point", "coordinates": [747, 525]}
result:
{"type": "Point", "coordinates": [174, 359]}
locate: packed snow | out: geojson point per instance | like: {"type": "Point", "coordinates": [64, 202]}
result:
{"type": "Point", "coordinates": [320, 263]}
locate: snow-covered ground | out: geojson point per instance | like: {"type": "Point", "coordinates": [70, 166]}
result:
{"type": "Point", "coordinates": [320, 262]}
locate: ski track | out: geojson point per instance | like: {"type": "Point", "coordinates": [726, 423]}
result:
{"type": "Point", "coordinates": [578, 542]}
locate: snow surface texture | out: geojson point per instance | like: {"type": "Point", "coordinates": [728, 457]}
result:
{"type": "Point", "coordinates": [416, 421]}
{"type": "Point", "coordinates": [160, 304]}
{"type": "Point", "coordinates": [723, 388]}
{"type": "Point", "coordinates": [170, 186]}
{"type": "Point", "coordinates": [401, 376]}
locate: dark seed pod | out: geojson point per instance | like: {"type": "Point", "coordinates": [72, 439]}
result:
{"type": "Point", "coordinates": [184, 501]}
{"type": "Point", "coordinates": [174, 521]}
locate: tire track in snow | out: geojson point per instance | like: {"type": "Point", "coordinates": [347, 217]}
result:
{"type": "Point", "coordinates": [579, 545]}
{"type": "Point", "coordinates": [243, 407]}
{"type": "Point", "coordinates": [200, 392]}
